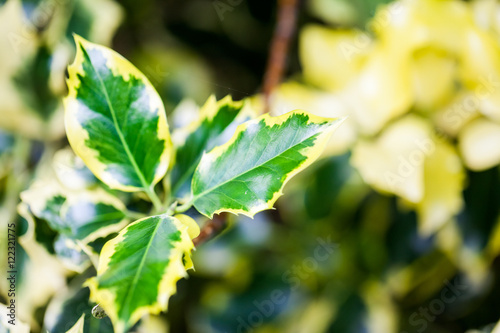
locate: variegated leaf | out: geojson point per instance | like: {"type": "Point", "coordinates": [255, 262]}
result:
{"type": "Point", "coordinates": [139, 268]}
{"type": "Point", "coordinates": [83, 216]}
{"type": "Point", "coordinates": [247, 174]}
{"type": "Point", "coordinates": [115, 120]}
{"type": "Point", "coordinates": [216, 124]}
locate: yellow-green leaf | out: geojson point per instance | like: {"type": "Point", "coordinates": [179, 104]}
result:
{"type": "Point", "coordinates": [83, 216]}
{"type": "Point", "coordinates": [115, 120]}
{"type": "Point", "coordinates": [247, 174]}
{"type": "Point", "coordinates": [139, 268]}
{"type": "Point", "coordinates": [217, 122]}
{"type": "Point", "coordinates": [478, 143]}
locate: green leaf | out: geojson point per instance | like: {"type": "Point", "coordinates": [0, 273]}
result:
{"type": "Point", "coordinates": [90, 219]}
{"type": "Point", "coordinates": [247, 174]}
{"type": "Point", "coordinates": [217, 122]}
{"type": "Point", "coordinates": [83, 216]}
{"type": "Point", "coordinates": [139, 268]}
{"type": "Point", "coordinates": [78, 327]}
{"type": "Point", "coordinates": [115, 120]}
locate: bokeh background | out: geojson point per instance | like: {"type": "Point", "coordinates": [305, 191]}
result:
{"type": "Point", "coordinates": [395, 229]}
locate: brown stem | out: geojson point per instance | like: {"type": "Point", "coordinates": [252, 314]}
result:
{"type": "Point", "coordinates": [211, 229]}
{"type": "Point", "coordinates": [283, 33]}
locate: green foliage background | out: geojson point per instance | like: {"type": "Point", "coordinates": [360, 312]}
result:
{"type": "Point", "coordinates": [335, 256]}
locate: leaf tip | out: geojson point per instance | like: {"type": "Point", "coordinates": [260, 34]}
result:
{"type": "Point", "coordinates": [79, 40]}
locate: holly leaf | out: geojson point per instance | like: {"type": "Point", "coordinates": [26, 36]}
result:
{"type": "Point", "coordinates": [217, 122]}
{"type": "Point", "coordinates": [139, 268]}
{"type": "Point", "coordinates": [115, 120]}
{"type": "Point", "coordinates": [83, 216]}
{"type": "Point", "coordinates": [247, 174]}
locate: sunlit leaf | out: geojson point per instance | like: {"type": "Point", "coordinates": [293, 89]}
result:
{"type": "Point", "coordinates": [115, 120]}
{"type": "Point", "coordinates": [247, 174]}
{"type": "Point", "coordinates": [381, 91]}
{"type": "Point", "coordinates": [443, 186]}
{"type": "Point", "coordinates": [331, 58]}
{"type": "Point", "coordinates": [478, 142]}
{"type": "Point", "coordinates": [456, 114]}
{"type": "Point", "coordinates": [394, 162]}
{"type": "Point", "coordinates": [82, 216]}
{"type": "Point", "coordinates": [217, 122]}
{"type": "Point", "coordinates": [413, 25]}
{"type": "Point", "coordinates": [138, 269]}
{"type": "Point", "coordinates": [433, 77]}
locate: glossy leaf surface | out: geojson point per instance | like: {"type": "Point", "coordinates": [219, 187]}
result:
{"type": "Point", "coordinates": [247, 174]}
{"type": "Point", "coordinates": [115, 120]}
{"type": "Point", "coordinates": [216, 124]}
{"type": "Point", "coordinates": [83, 216]}
{"type": "Point", "coordinates": [139, 268]}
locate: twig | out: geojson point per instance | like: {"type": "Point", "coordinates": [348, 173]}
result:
{"type": "Point", "coordinates": [283, 33]}
{"type": "Point", "coordinates": [211, 229]}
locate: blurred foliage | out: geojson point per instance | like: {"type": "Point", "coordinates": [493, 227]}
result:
{"type": "Point", "coordinates": [396, 229]}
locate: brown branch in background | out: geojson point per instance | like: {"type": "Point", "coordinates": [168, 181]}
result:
{"type": "Point", "coordinates": [211, 229]}
{"type": "Point", "coordinates": [283, 33]}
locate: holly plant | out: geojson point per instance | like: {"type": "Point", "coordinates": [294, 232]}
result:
{"type": "Point", "coordinates": [150, 183]}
